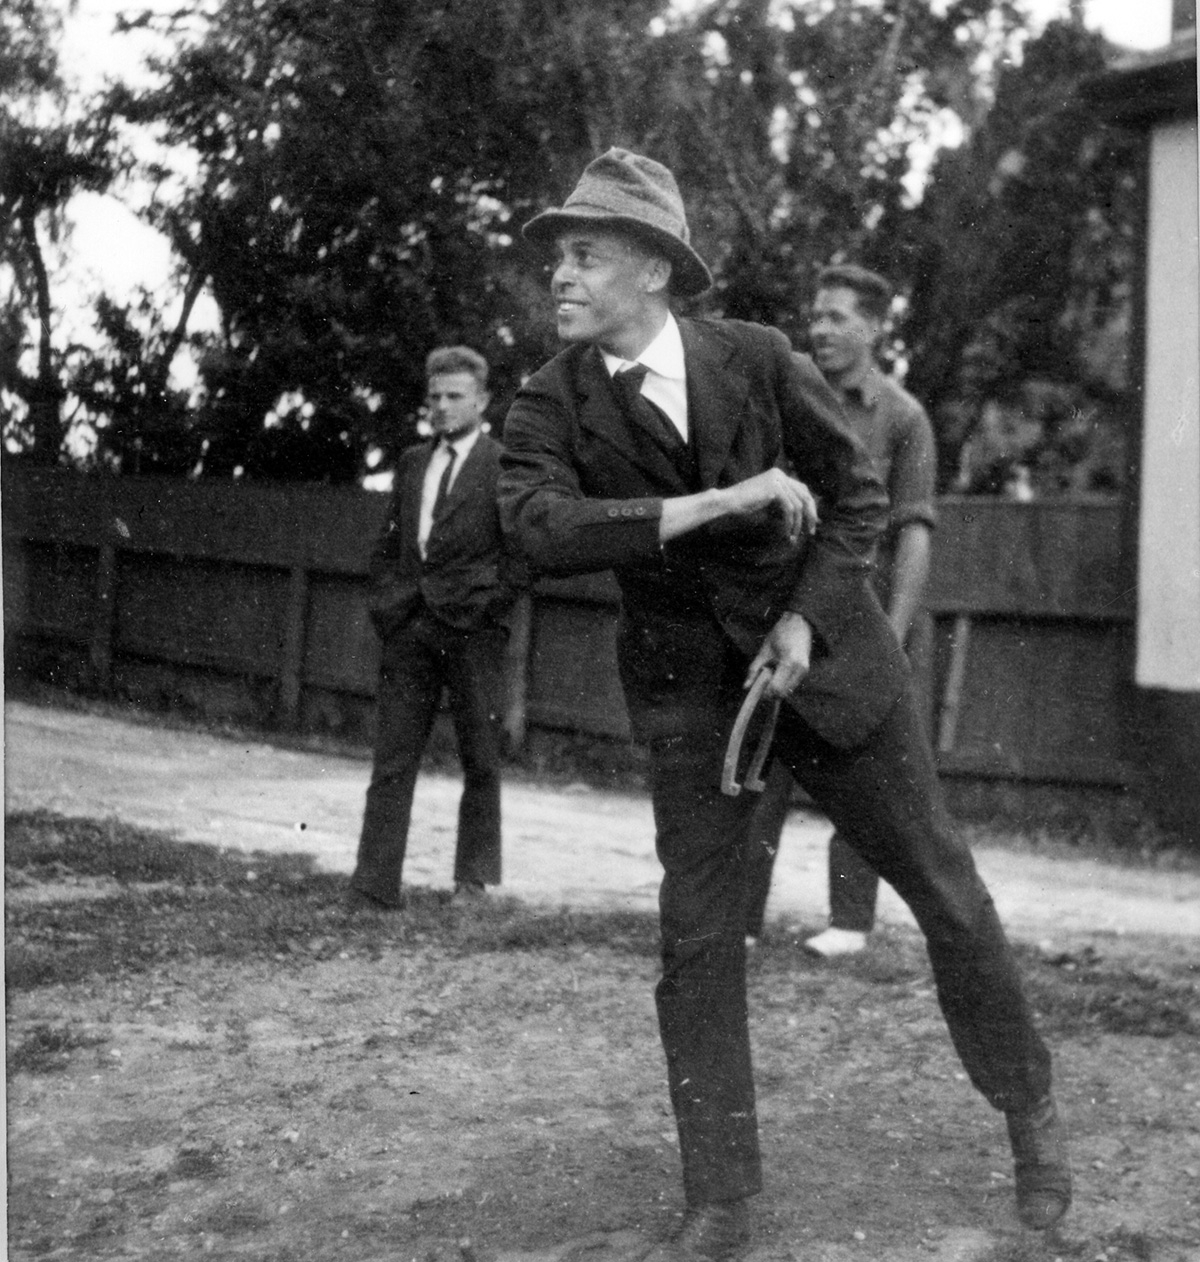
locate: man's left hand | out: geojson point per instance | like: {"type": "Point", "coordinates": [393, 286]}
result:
{"type": "Point", "coordinates": [787, 650]}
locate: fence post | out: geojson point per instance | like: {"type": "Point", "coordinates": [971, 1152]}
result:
{"type": "Point", "coordinates": [100, 647]}
{"type": "Point", "coordinates": [956, 678]}
{"type": "Point", "coordinates": [291, 666]}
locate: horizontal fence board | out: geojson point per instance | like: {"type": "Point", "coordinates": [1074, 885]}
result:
{"type": "Point", "coordinates": [329, 528]}
{"type": "Point", "coordinates": [573, 680]}
{"type": "Point", "coordinates": [341, 649]}
{"type": "Point", "coordinates": [50, 587]}
{"type": "Point", "coordinates": [208, 657]}
{"type": "Point", "coordinates": [343, 529]}
{"type": "Point", "coordinates": [1051, 558]}
{"type": "Point", "coordinates": [206, 611]}
{"type": "Point", "coordinates": [1041, 690]}
{"type": "Point", "coordinates": [1039, 559]}
{"type": "Point", "coordinates": [1095, 772]}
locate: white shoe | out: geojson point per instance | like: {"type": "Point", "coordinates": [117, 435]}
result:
{"type": "Point", "coordinates": [837, 942]}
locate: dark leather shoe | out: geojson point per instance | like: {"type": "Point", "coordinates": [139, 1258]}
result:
{"type": "Point", "coordinates": [710, 1233]}
{"type": "Point", "coordinates": [1039, 1145]}
{"type": "Point", "coordinates": [357, 901]}
{"type": "Point", "coordinates": [468, 892]}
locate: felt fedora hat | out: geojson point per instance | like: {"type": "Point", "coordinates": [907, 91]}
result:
{"type": "Point", "coordinates": [627, 191]}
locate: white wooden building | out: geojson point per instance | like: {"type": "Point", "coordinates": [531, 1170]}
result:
{"type": "Point", "coordinates": [1155, 92]}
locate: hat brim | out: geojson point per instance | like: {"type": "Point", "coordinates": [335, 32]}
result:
{"type": "Point", "coordinates": [689, 273]}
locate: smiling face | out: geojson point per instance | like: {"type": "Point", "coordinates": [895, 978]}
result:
{"type": "Point", "coordinates": [843, 337]}
{"type": "Point", "coordinates": [455, 403]}
{"type": "Point", "coordinates": [609, 290]}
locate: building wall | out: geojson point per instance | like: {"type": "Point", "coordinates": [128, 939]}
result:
{"type": "Point", "coordinates": [1168, 623]}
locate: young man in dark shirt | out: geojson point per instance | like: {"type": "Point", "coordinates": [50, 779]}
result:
{"type": "Point", "coordinates": [847, 322]}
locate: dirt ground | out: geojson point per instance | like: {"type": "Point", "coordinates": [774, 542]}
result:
{"type": "Point", "coordinates": [437, 1091]}
{"type": "Point", "coordinates": [352, 1098]}
{"type": "Point", "coordinates": [566, 842]}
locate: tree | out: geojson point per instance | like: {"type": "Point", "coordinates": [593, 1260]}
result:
{"type": "Point", "coordinates": [41, 166]}
{"type": "Point", "coordinates": [358, 174]}
{"type": "Point", "coordinates": [359, 168]}
{"type": "Point", "coordinates": [363, 170]}
{"type": "Point", "coordinates": [812, 128]}
{"type": "Point", "coordinates": [1024, 245]}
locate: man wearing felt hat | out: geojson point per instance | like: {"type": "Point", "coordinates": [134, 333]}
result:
{"type": "Point", "coordinates": [712, 470]}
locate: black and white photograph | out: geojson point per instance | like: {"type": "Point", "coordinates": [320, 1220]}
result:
{"type": "Point", "coordinates": [601, 611]}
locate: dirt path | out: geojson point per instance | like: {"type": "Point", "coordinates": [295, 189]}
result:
{"type": "Point", "coordinates": [575, 846]}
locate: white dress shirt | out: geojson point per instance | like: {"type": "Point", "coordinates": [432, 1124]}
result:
{"type": "Point", "coordinates": [666, 381]}
{"type": "Point", "coordinates": [433, 475]}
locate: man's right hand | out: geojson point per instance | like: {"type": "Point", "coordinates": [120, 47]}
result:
{"type": "Point", "coordinates": [771, 488]}
{"type": "Point", "coordinates": [774, 488]}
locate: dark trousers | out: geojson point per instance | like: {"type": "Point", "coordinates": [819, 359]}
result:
{"type": "Point", "coordinates": [853, 883]}
{"type": "Point", "coordinates": [420, 660]}
{"type": "Point", "coordinates": [886, 792]}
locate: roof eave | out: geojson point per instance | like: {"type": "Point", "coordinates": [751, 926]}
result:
{"type": "Point", "coordinates": [1142, 88]}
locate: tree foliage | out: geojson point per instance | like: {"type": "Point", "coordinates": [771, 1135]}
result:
{"type": "Point", "coordinates": [359, 171]}
{"type": "Point", "coordinates": [1025, 247]}
{"type": "Point", "coordinates": [812, 131]}
{"type": "Point", "coordinates": [360, 167]}
{"type": "Point", "coordinates": [1026, 235]}
{"type": "Point", "coordinates": [42, 164]}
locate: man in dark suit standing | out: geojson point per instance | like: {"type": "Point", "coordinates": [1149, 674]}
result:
{"type": "Point", "coordinates": [656, 447]}
{"type": "Point", "coordinates": [441, 590]}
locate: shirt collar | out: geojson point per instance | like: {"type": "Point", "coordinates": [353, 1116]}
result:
{"type": "Point", "coordinates": [462, 444]}
{"type": "Point", "coordinates": [663, 356]}
{"type": "Point", "coordinates": [865, 382]}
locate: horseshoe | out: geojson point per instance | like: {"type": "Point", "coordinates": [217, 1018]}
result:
{"type": "Point", "coordinates": [754, 781]}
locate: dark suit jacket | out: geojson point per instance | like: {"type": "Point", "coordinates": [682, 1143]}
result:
{"type": "Point", "coordinates": [582, 489]}
{"type": "Point", "coordinates": [466, 579]}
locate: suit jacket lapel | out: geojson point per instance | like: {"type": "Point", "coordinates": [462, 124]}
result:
{"type": "Point", "coordinates": [466, 481]}
{"type": "Point", "coordinates": [410, 499]}
{"type": "Point", "coordinates": [601, 413]}
{"type": "Point", "coordinates": [717, 390]}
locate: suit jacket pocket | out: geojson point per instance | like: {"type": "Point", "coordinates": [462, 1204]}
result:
{"type": "Point", "coordinates": [674, 673]}
{"type": "Point", "coordinates": [390, 603]}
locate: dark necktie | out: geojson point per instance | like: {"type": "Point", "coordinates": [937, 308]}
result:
{"type": "Point", "coordinates": [444, 482]}
{"type": "Point", "coordinates": [629, 386]}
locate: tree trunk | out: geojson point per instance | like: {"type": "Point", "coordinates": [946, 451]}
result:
{"type": "Point", "coordinates": [45, 401]}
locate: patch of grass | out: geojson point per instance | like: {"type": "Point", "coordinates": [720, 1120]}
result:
{"type": "Point", "coordinates": [47, 1048]}
{"type": "Point", "coordinates": [183, 900]}
{"type": "Point", "coordinates": [42, 846]}
{"type": "Point", "coordinates": [235, 1216]}
{"type": "Point", "coordinates": [1072, 993]}
{"type": "Point", "coordinates": [202, 1162]}
{"type": "Point", "coordinates": [1082, 992]}
{"type": "Point", "coordinates": [1119, 1245]}
{"type": "Point", "coordinates": [512, 927]}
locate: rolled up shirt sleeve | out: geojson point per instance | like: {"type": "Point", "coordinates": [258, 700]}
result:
{"type": "Point", "coordinates": [913, 474]}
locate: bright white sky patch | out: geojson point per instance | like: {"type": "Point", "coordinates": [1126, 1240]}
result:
{"type": "Point", "coordinates": [1134, 23]}
{"type": "Point", "coordinates": [108, 248]}
{"type": "Point", "coordinates": [142, 256]}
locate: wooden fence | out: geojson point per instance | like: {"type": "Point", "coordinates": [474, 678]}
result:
{"type": "Point", "coordinates": [250, 600]}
